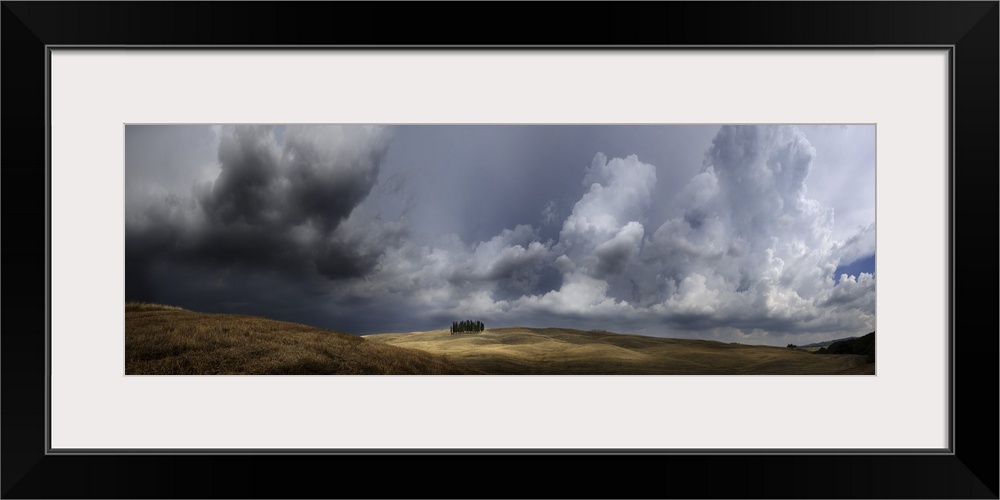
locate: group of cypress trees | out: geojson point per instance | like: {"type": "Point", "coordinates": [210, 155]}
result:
{"type": "Point", "coordinates": [467, 326]}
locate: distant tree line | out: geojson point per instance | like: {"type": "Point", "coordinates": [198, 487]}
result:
{"type": "Point", "coordinates": [467, 326]}
{"type": "Point", "coordinates": [862, 345]}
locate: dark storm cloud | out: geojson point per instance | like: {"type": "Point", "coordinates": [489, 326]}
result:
{"type": "Point", "coordinates": [316, 178]}
{"type": "Point", "coordinates": [273, 207]}
{"type": "Point", "coordinates": [247, 192]}
{"type": "Point", "coordinates": [355, 247]}
{"type": "Point", "coordinates": [328, 176]}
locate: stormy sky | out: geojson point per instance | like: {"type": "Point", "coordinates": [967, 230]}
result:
{"type": "Point", "coordinates": [756, 234]}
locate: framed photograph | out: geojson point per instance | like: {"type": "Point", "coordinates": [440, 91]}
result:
{"type": "Point", "coordinates": [710, 250]}
{"type": "Point", "coordinates": [269, 243]}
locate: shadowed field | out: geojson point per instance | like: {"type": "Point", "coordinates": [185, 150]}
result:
{"type": "Point", "coordinates": [165, 340]}
{"type": "Point", "coordinates": [564, 351]}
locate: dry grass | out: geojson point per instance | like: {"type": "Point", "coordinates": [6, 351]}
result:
{"type": "Point", "coordinates": [146, 306]}
{"type": "Point", "coordinates": [556, 351]}
{"type": "Point", "coordinates": [167, 340]}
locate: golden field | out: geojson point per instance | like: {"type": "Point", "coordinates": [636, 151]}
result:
{"type": "Point", "coordinates": [551, 351]}
{"type": "Point", "coordinates": [165, 340]}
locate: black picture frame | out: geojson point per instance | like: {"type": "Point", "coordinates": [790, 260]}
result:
{"type": "Point", "coordinates": [970, 29]}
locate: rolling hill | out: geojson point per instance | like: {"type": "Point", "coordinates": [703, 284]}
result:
{"type": "Point", "coordinates": [560, 351]}
{"type": "Point", "coordinates": [165, 340]}
{"type": "Point", "coordinates": [856, 345]}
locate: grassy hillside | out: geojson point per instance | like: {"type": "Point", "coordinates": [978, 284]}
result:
{"type": "Point", "coordinates": [166, 340]}
{"type": "Point", "coordinates": [861, 345]}
{"type": "Point", "coordinates": [564, 351]}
